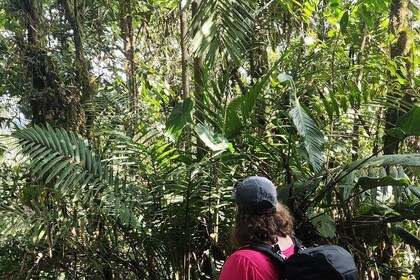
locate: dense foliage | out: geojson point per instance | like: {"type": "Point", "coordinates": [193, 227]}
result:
{"type": "Point", "coordinates": [124, 125]}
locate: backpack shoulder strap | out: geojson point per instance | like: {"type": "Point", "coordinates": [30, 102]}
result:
{"type": "Point", "coordinates": [298, 245]}
{"type": "Point", "coordinates": [273, 252]}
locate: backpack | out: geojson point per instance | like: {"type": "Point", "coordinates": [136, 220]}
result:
{"type": "Point", "coordinates": [326, 262]}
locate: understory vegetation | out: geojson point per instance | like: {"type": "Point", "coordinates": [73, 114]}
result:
{"type": "Point", "coordinates": [125, 124]}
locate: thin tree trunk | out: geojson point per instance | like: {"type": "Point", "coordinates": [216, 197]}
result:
{"type": "Point", "coordinates": [357, 120]}
{"type": "Point", "coordinates": [401, 48]}
{"type": "Point", "coordinates": [186, 274]}
{"type": "Point", "coordinates": [72, 10]}
{"type": "Point", "coordinates": [198, 88]}
{"type": "Point", "coordinates": [187, 249]}
{"type": "Point", "coordinates": [258, 62]}
{"type": "Point", "coordinates": [184, 49]}
{"type": "Point", "coordinates": [126, 26]}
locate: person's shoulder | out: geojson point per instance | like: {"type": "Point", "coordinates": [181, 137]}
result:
{"type": "Point", "coordinates": [255, 256]}
{"type": "Point", "coordinates": [243, 264]}
{"type": "Point", "coordinates": [249, 254]}
{"type": "Point", "coordinates": [249, 264]}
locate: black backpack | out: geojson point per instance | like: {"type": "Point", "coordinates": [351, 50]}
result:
{"type": "Point", "coordinates": [324, 262]}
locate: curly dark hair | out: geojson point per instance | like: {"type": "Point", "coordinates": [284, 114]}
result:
{"type": "Point", "coordinates": [266, 227]}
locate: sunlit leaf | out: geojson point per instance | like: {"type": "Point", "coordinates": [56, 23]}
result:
{"type": "Point", "coordinates": [283, 78]}
{"type": "Point", "coordinates": [222, 27]}
{"type": "Point", "coordinates": [211, 139]}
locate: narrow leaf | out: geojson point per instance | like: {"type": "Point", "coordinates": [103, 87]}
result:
{"type": "Point", "coordinates": [56, 170]}
{"type": "Point", "coordinates": [407, 237]}
{"type": "Point", "coordinates": [344, 21]}
{"type": "Point", "coordinates": [312, 136]}
{"type": "Point", "coordinates": [367, 183]}
{"type": "Point", "coordinates": [386, 160]}
{"type": "Point", "coordinates": [50, 165]}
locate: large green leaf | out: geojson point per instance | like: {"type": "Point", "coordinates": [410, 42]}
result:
{"type": "Point", "coordinates": [67, 162]}
{"type": "Point", "coordinates": [344, 21]}
{"type": "Point", "coordinates": [251, 96]}
{"type": "Point", "coordinates": [65, 158]}
{"type": "Point", "coordinates": [385, 160]}
{"type": "Point", "coordinates": [407, 237]}
{"type": "Point", "coordinates": [325, 225]}
{"type": "Point", "coordinates": [415, 191]}
{"type": "Point", "coordinates": [368, 183]}
{"type": "Point", "coordinates": [233, 122]}
{"type": "Point", "coordinates": [306, 186]}
{"type": "Point", "coordinates": [181, 115]}
{"type": "Point", "coordinates": [409, 123]}
{"type": "Point", "coordinates": [211, 139]}
{"type": "Point", "coordinates": [283, 78]}
{"type": "Point", "coordinates": [312, 136]}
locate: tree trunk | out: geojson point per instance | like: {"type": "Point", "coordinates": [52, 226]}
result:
{"type": "Point", "coordinates": [48, 99]}
{"type": "Point", "coordinates": [357, 119]}
{"type": "Point", "coordinates": [86, 92]}
{"type": "Point", "coordinates": [198, 88]}
{"type": "Point", "coordinates": [126, 25]}
{"type": "Point", "coordinates": [184, 50]}
{"type": "Point", "coordinates": [401, 48]}
{"type": "Point", "coordinates": [258, 59]}
{"type": "Point", "coordinates": [258, 63]}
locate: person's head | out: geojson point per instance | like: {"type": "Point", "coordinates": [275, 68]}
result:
{"type": "Point", "coordinates": [260, 217]}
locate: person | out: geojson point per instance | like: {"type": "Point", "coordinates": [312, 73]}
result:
{"type": "Point", "coordinates": [259, 218]}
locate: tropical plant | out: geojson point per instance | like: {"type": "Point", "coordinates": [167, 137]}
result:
{"type": "Point", "coordinates": [113, 164]}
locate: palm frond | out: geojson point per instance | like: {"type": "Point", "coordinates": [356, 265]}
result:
{"type": "Point", "coordinates": [65, 160]}
{"type": "Point", "coordinates": [222, 25]}
{"type": "Point", "coordinates": [60, 155]}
